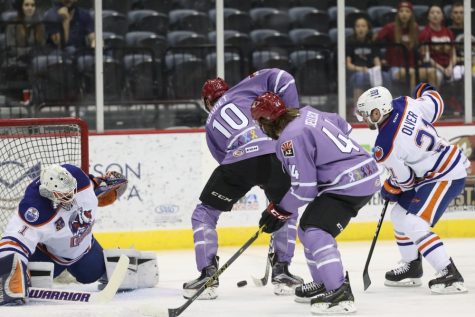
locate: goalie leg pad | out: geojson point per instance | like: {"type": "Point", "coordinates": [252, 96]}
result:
{"type": "Point", "coordinates": [41, 274]}
{"type": "Point", "coordinates": [14, 280]}
{"type": "Point", "coordinates": [147, 272]}
{"type": "Point", "coordinates": [111, 257]}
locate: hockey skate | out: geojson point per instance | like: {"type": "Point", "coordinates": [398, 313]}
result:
{"type": "Point", "coordinates": [338, 301]}
{"type": "Point", "coordinates": [406, 274]}
{"type": "Point", "coordinates": [189, 288]}
{"type": "Point", "coordinates": [305, 292]}
{"type": "Point", "coordinates": [448, 281]}
{"type": "Point", "coordinates": [284, 282]}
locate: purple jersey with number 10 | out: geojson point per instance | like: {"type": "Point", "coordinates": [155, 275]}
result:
{"type": "Point", "coordinates": [320, 157]}
{"type": "Point", "coordinates": [231, 133]}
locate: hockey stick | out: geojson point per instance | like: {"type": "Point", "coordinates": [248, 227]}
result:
{"type": "Point", "coordinates": [366, 279]}
{"type": "Point", "coordinates": [174, 312]}
{"type": "Point", "coordinates": [260, 282]}
{"type": "Point", "coordinates": [106, 295]}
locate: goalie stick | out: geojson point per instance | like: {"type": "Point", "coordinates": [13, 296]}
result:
{"type": "Point", "coordinates": [366, 279]}
{"type": "Point", "coordinates": [174, 312]}
{"type": "Point", "coordinates": [260, 282]}
{"type": "Point", "coordinates": [64, 296]}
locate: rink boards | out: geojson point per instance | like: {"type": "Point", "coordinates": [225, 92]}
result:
{"type": "Point", "coordinates": [168, 169]}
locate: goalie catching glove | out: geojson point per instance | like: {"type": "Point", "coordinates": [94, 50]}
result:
{"type": "Point", "coordinates": [109, 187]}
{"type": "Point", "coordinates": [273, 217]}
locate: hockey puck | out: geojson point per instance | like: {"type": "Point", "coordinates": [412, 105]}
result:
{"type": "Point", "coordinates": [241, 283]}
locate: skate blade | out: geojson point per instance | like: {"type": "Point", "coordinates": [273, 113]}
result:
{"type": "Point", "coordinates": [455, 288]}
{"type": "Point", "coordinates": [343, 308]}
{"type": "Point", "coordinates": [284, 289]}
{"type": "Point", "coordinates": [209, 293]}
{"type": "Point", "coordinates": [407, 282]}
{"type": "Point", "coordinates": [302, 300]}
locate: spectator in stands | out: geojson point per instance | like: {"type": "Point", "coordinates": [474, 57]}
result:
{"type": "Point", "coordinates": [403, 31]}
{"type": "Point", "coordinates": [26, 33]}
{"type": "Point", "coordinates": [362, 59]}
{"type": "Point", "coordinates": [437, 54]}
{"type": "Point", "coordinates": [457, 29]}
{"type": "Point", "coordinates": [69, 26]}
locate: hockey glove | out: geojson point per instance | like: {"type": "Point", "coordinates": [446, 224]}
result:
{"type": "Point", "coordinates": [420, 89]}
{"type": "Point", "coordinates": [14, 280]}
{"type": "Point", "coordinates": [109, 187]}
{"type": "Point", "coordinates": [273, 217]}
{"type": "Point", "coordinates": [390, 191]}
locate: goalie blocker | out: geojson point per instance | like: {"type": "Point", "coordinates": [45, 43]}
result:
{"type": "Point", "coordinates": [142, 271]}
{"type": "Point", "coordinates": [14, 280]}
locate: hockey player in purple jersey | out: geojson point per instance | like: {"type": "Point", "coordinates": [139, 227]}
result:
{"type": "Point", "coordinates": [331, 173]}
{"type": "Point", "coordinates": [426, 174]}
{"type": "Point", "coordinates": [247, 158]}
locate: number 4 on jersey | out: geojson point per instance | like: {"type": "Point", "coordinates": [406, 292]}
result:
{"type": "Point", "coordinates": [293, 171]}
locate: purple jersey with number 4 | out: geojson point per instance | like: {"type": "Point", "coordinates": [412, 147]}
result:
{"type": "Point", "coordinates": [231, 133]}
{"type": "Point", "coordinates": [320, 157]}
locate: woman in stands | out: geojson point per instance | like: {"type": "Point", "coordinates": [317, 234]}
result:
{"type": "Point", "coordinates": [25, 33]}
{"type": "Point", "coordinates": [403, 31]}
{"type": "Point", "coordinates": [440, 52]}
{"type": "Point", "coordinates": [361, 57]}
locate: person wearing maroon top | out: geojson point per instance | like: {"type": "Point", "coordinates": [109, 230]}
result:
{"type": "Point", "coordinates": [404, 30]}
{"type": "Point", "coordinates": [440, 56]}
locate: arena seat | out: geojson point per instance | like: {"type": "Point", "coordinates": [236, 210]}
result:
{"type": "Point", "coordinates": [187, 19]}
{"type": "Point", "coordinates": [234, 19]}
{"type": "Point", "coordinates": [156, 43]}
{"type": "Point", "coordinates": [148, 20]}
{"type": "Point", "coordinates": [312, 71]}
{"type": "Point", "coordinates": [309, 37]}
{"type": "Point", "coordinates": [115, 22]}
{"type": "Point", "coordinates": [270, 18]}
{"type": "Point", "coordinates": [308, 17]}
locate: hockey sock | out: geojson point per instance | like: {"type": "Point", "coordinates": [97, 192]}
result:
{"type": "Point", "coordinates": [203, 222]}
{"type": "Point", "coordinates": [322, 249]}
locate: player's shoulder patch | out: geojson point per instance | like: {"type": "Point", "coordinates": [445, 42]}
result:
{"type": "Point", "coordinates": [287, 149]}
{"type": "Point", "coordinates": [378, 153]}
{"type": "Point", "coordinates": [35, 209]}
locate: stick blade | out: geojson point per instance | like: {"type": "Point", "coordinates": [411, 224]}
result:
{"type": "Point", "coordinates": [113, 285]}
{"type": "Point", "coordinates": [258, 281]}
{"type": "Point", "coordinates": [153, 311]}
{"type": "Point", "coordinates": [366, 280]}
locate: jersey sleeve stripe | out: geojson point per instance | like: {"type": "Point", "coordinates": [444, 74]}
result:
{"type": "Point", "coordinates": [8, 251]}
{"type": "Point", "coordinates": [22, 245]}
{"type": "Point", "coordinates": [279, 75]}
{"type": "Point", "coordinates": [420, 90]}
{"type": "Point", "coordinates": [439, 104]}
{"type": "Point", "coordinates": [281, 90]}
{"type": "Point", "coordinates": [12, 247]}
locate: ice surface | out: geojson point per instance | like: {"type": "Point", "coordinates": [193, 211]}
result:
{"type": "Point", "coordinates": [177, 267]}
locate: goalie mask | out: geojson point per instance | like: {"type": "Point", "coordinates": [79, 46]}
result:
{"type": "Point", "coordinates": [374, 98]}
{"type": "Point", "coordinates": [57, 184]}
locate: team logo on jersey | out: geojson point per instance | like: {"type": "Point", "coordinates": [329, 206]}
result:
{"type": "Point", "coordinates": [80, 223]}
{"type": "Point", "coordinates": [378, 153]}
{"type": "Point", "coordinates": [287, 149]}
{"type": "Point", "coordinates": [59, 224]}
{"type": "Point", "coordinates": [32, 214]}
{"type": "Point", "coordinates": [238, 153]}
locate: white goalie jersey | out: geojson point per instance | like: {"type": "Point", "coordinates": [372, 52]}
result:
{"type": "Point", "coordinates": [410, 148]}
{"type": "Point", "coordinates": [63, 233]}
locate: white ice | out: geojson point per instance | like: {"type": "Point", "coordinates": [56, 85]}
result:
{"type": "Point", "coordinates": [177, 267]}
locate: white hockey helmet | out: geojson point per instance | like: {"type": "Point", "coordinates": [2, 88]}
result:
{"type": "Point", "coordinates": [57, 184]}
{"type": "Point", "coordinates": [374, 98]}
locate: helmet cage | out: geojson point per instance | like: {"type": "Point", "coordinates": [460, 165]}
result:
{"type": "Point", "coordinates": [57, 184]}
